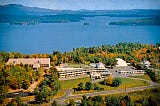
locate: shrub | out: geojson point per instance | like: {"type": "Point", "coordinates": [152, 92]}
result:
{"type": "Point", "coordinates": [116, 82]}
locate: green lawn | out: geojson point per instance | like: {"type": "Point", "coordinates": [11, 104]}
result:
{"type": "Point", "coordinates": [126, 82]}
{"type": "Point", "coordinates": [142, 77]}
{"type": "Point", "coordinates": [69, 84]}
{"type": "Point", "coordinates": [157, 71]}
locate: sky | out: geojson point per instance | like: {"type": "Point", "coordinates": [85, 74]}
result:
{"type": "Point", "coordinates": [87, 4]}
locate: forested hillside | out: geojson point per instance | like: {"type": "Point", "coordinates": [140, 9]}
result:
{"type": "Point", "coordinates": [131, 52]}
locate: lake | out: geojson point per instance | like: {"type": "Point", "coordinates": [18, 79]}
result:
{"type": "Point", "coordinates": [46, 37]}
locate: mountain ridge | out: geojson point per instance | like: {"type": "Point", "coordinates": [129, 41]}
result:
{"type": "Point", "coordinates": [18, 9]}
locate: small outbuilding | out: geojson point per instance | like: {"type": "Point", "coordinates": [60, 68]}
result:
{"type": "Point", "coordinates": [146, 63]}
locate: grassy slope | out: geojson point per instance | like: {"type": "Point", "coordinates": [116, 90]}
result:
{"type": "Point", "coordinates": [142, 77]}
{"type": "Point", "coordinates": [69, 84]}
{"type": "Point", "coordinates": [125, 82]}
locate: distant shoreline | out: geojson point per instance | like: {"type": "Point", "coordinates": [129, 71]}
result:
{"type": "Point", "coordinates": [138, 22]}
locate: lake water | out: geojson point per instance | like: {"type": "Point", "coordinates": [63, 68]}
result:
{"type": "Point", "coordinates": [44, 38]}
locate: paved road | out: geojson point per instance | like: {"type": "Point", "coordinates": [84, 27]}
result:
{"type": "Point", "coordinates": [114, 91]}
{"type": "Point", "coordinates": [69, 95]}
{"type": "Point", "coordinates": [61, 100]}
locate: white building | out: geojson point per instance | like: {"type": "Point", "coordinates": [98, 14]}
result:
{"type": "Point", "coordinates": [95, 76]}
{"type": "Point", "coordinates": [34, 62]}
{"type": "Point", "coordinates": [121, 62]}
{"type": "Point", "coordinates": [65, 72]}
{"type": "Point", "coordinates": [99, 71]}
{"type": "Point", "coordinates": [146, 63]}
{"type": "Point", "coordinates": [131, 72]}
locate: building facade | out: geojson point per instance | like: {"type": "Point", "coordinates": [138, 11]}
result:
{"type": "Point", "coordinates": [97, 70]}
{"type": "Point", "coordinates": [65, 72]}
{"type": "Point", "coordinates": [35, 63]}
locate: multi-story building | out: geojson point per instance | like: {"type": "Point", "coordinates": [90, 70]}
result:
{"type": "Point", "coordinates": [65, 72]}
{"type": "Point", "coordinates": [96, 70]}
{"type": "Point", "coordinates": [35, 63]}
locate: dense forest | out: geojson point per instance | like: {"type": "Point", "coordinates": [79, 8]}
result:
{"type": "Point", "coordinates": [145, 21]}
{"type": "Point", "coordinates": [65, 18]}
{"type": "Point", "coordinates": [35, 19]}
{"type": "Point", "coordinates": [133, 53]}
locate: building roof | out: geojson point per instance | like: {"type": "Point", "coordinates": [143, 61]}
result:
{"type": "Point", "coordinates": [146, 62]}
{"type": "Point", "coordinates": [121, 62]}
{"type": "Point", "coordinates": [98, 65]}
{"type": "Point", "coordinates": [29, 61]}
{"type": "Point", "coordinates": [93, 64]}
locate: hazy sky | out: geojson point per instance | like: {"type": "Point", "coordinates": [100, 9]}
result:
{"type": "Point", "coordinates": [88, 4]}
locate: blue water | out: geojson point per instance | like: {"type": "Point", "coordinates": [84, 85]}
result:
{"type": "Point", "coordinates": [44, 38]}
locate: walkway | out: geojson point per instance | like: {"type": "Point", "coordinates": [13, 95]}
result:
{"type": "Point", "coordinates": [35, 84]}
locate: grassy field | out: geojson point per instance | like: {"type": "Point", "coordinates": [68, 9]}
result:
{"type": "Point", "coordinates": [142, 77]}
{"type": "Point", "coordinates": [69, 84]}
{"type": "Point", "coordinates": [126, 82]}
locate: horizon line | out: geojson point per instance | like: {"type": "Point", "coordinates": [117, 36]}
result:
{"type": "Point", "coordinates": [81, 9]}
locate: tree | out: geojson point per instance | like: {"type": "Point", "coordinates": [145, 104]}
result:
{"type": "Point", "coordinates": [88, 86]}
{"type": "Point", "coordinates": [17, 77]}
{"type": "Point", "coordinates": [80, 86]}
{"type": "Point", "coordinates": [17, 101]}
{"type": "Point", "coordinates": [43, 94]}
{"type": "Point", "coordinates": [3, 93]}
{"type": "Point", "coordinates": [71, 103]}
{"type": "Point", "coordinates": [36, 91]}
{"type": "Point", "coordinates": [152, 101]}
{"type": "Point", "coordinates": [113, 101]}
{"type": "Point", "coordinates": [57, 57]}
{"type": "Point", "coordinates": [127, 100]}
{"type": "Point", "coordinates": [54, 103]}
{"type": "Point", "coordinates": [84, 101]}
{"type": "Point", "coordinates": [55, 86]}
{"type": "Point", "coordinates": [116, 82]}
{"type": "Point", "coordinates": [111, 62]}
{"type": "Point", "coordinates": [26, 84]}
{"type": "Point", "coordinates": [104, 82]}
{"type": "Point", "coordinates": [109, 80]}
{"type": "Point", "coordinates": [12, 103]}
{"type": "Point", "coordinates": [123, 102]}
{"type": "Point", "coordinates": [98, 99]}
